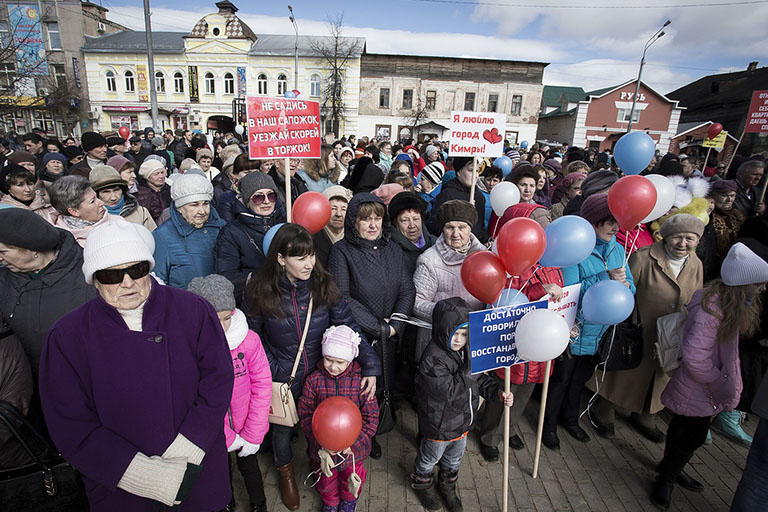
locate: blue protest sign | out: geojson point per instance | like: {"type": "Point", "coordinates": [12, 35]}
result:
{"type": "Point", "coordinates": [492, 336]}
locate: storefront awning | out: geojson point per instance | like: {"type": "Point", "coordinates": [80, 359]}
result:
{"type": "Point", "coordinates": [124, 108]}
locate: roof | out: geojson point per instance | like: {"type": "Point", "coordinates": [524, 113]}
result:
{"type": "Point", "coordinates": [558, 112]}
{"type": "Point", "coordinates": [725, 89]}
{"type": "Point", "coordinates": [235, 28]}
{"type": "Point", "coordinates": [684, 128]}
{"type": "Point", "coordinates": [284, 45]}
{"type": "Point", "coordinates": [598, 93]}
{"type": "Point", "coordinates": [135, 42]}
{"type": "Point", "coordinates": [551, 95]}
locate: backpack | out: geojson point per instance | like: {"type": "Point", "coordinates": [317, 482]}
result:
{"type": "Point", "coordinates": [669, 338]}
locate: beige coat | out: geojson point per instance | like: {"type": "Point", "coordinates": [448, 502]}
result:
{"type": "Point", "coordinates": [659, 293]}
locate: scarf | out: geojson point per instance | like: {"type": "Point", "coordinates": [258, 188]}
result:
{"type": "Point", "coordinates": [76, 222]}
{"type": "Point", "coordinates": [115, 210]}
{"type": "Point", "coordinates": [464, 249]}
{"type": "Point", "coordinates": [237, 331]}
{"type": "Point", "coordinates": [421, 242]}
{"type": "Point", "coordinates": [333, 237]}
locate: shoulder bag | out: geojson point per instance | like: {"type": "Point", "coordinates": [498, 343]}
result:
{"type": "Point", "coordinates": [387, 417]}
{"type": "Point", "coordinates": [621, 347]}
{"type": "Point", "coordinates": [670, 330]}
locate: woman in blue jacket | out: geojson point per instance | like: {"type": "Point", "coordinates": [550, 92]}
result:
{"type": "Point", "coordinates": [576, 364]}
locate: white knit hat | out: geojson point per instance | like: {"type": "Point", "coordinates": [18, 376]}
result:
{"type": "Point", "coordinates": [149, 166]}
{"type": "Point", "coordinates": [116, 242]}
{"type": "Point", "coordinates": [188, 188]}
{"type": "Point", "coordinates": [342, 342]}
{"type": "Point", "coordinates": [742, 266]}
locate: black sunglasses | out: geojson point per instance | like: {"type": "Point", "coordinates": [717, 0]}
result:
{"type": "Point", "coordinates": [257, 199]}
{"type": "Point", "coordinates": [116, 275]}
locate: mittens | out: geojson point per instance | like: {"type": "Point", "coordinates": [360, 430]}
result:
{"type": "Point", "coordinates": [248, 449]}
{"type": "Point", "coordinates": [326, 462]}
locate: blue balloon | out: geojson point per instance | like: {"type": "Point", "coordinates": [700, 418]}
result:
{"type": "Point", "coordinates": [633, 152]}
{"type": "Point", "coordinates": [504, 163]}
{"type": "Point", "coordinates": [570, 240]}
{"type": "Point", "coordinates": [607, 303]}
{"type": "Point", "coordinates": [269, 235]}
{"type": "Point", "coordinates": [509, 297]}
{"type": "Point", "coordinates": [289, 94]}
{"type": "Point", "coordinates": [524, 144]}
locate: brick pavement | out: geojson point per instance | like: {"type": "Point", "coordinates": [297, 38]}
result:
{"type": "Point", "coordinates": [601, 475]}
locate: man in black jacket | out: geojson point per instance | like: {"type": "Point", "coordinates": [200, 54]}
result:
{"type": "Point", "coordinates": [277, 172]}
{"type": "Point", "coordinates": [460, 188]}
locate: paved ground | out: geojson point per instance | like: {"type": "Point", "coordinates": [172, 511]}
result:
{"type": "Point", "coordinates": [601, 475]}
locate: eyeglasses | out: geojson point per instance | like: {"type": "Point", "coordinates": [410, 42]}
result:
{"type": "Point", "coordinates": [116, 275]}
{"type": "Point", "coordinates": [257, 199]}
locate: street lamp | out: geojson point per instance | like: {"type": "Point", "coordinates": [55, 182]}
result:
{"type": "Point", "coordinates": [655, 37]}
{"type": "Point", "coordinates": [295, 50]}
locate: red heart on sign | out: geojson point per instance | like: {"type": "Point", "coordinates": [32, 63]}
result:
{"type": "Point", "coordinates": [492, 136]}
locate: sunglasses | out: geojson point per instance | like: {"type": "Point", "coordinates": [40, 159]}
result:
{"type": "Point", "coordinates": [257, 199]}
{"type": "Point", "coordinates": [116, 275]}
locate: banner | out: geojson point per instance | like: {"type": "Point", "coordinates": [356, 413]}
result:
{"type": "Point", "coordinates": [281, 127]}
{"type": "Point", "coordinates": [141, 78]}
{"type": "Point", "coordinates": [76, 72]}
{"type": "Point", "coordinates": [718, 142]}
{"type": "Point", "coordinates": [27, 31]}
{"type": "Point", "coordinates": [568, 305]}
{"type": "Point", "coordinates": [757, 117]}
{"type": "Point", "coordinates": [242, 86]}
{"type": "Point", "coordinates": [194, 90]}
{"type": "Point", "coordinates": [477, 134]}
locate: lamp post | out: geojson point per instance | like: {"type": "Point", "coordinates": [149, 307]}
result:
{"type": "Point", "coordinates": [295, 50]}
{"type": "Point", "coordinates": [655, 37]}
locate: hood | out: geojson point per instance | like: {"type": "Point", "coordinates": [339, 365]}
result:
{"type": "Point", "coordinates": [350, 233]}
{"type": "Point", "coordinates": [313, 167]}
{"type": "Point", "coordinates": [237, 331]}
{"type": "Point", "coordinates": [447, 317]}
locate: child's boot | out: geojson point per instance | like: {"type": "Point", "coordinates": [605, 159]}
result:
{"type": "Point", "coordinates": [423, 486]}
{"type": "Point", "coordinates": [447, 485]}
{"type": "Point", "coordinates": [348, 506]}
{"type": "Point", "coordinates": [727, 422]}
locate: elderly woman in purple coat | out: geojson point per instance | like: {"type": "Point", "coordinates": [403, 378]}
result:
{"type": "Point", "coordinates": [135, 382]}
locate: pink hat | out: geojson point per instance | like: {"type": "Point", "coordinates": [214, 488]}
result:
{"type": "Point", "coordinates": [387, 191]}
{"type": "Point", "coordinates": [341, 341]}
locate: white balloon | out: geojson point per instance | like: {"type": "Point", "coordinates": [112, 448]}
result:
{"type": "Point", "coordinates": [665, 196]}
{"type": "Point", "coordinates": [239, 129]}
{"type": "Point", "coordinates": [541, 335]}
{"type": "Point", "coordinates": [504, 195]}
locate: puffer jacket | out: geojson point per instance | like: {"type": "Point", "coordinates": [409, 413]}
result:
{"type": "Point", "coordinates": [16, 389]}
{"type": "Point", "coordinates": [372, 274]}
{"type": "Point", "coordinates": [248, 413]}
{"type": "Point", "coordinates": [135, 213]}
{"type": "Point", "coordinates": [321, 385]}
{"type": "Point", "coordinates": [454, 189]}
{"type": "Point", "coordinates": [536, 212]}
{"type": "Point", "coordinates": [605, 256]}
{"type": "Point", "coordinates": [184, 252]}
{"type": "Point", "coordinates": [38, 206]}
{"type": "Point", "coordinates": [708, 380]}
{"type": "Point", "coordinates": [154, 201]}
{"type": "Point", "coordinates": [280, 336]}
{"type": "Point", "coordinates": [447, 394]}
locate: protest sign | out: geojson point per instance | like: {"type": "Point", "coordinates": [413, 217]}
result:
{"type": "Point", "coordinates": [757, 117]}
{"type": "Point", "coordinates": [717, 143]}
{"type": "Point", "coordinates": [477, 134]}
{"type": "Point", "coordinates": [568, 305]}
{"type": "Point", "coordinates": [283, 128]}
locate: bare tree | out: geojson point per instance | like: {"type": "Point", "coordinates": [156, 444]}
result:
{"type": "Point", "coordinates": [335, 52]}
{"type": "Point", "coordinates": [416, 117]}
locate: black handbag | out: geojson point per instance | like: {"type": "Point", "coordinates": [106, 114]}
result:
{"type": "Point", "coordinates": [49, 483]}
{"type": "Point", "coordinates": [621, 347]}
{"type": "Point", "coordinates": [387, 418]}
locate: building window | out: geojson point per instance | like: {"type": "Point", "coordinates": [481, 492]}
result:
{"type": "Point", "coordinates": [210, 85]}
{"type": "Point", "coordinates": [130, 84]}
{"type": "Point", "coordinates": [517, 104]}
{"type": "Point", "coordinates": [408, 98]}
{"type": "Point", "coordinates": [623, 115]}
{"type": "Point", "coordinates": [493, 102]}
{"type": "Point", "coordinates": [59, 75]}
{"type": "Point", "coordinates": [229, 83]}
{"type": "Point", "coordinates": [178, 82]}
{"type": "Point", "coordinates": [469, 101]}
{"type": "Point", "coordinates": [7, 76]}
{"type": "Point", "coordinates": [431, 100]}
{"type": "Point", "coordinates": [314, 86]}
{"type": "Point", "coordinates": [54, 38]}
{"type": "Point", "coordinates": [111, 85]}
{"type": "Point", "coordinates": [282, 84]}
{"type": "Point", "coordinates": [159, 81]}
{"type": "Point", "coordinates": [261, 84]}
{"type": "Point", "coordinates": [5, 34]}
{"type": "Point", "coordinates": [384, 97]}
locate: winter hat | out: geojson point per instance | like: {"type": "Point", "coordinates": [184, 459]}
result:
{"type": "Point", "coordinates": [149, 166]}
{"type": "Point", "coordinates": [103, 176]}
{"type": "Point", "coordinates": [254, 181]}
{"type": "Point", "coordinates": [157, 141]}
{"type": "Point", "coordinates": [723, 187]}
{"type": "Point", "coordinates": [134, 139]}
{"type": "Point", "coordinates": [406, 201]}
{"type": "Point", "coordinates": [671, 168]}
{"type": "Point", "coordinates": [387, 191]}
{"type": "Point", "coordinates": [460, 161]}
{"type": "Point", "coordinates": [26, 229]}
{"type": "Point", "coordinates": [338, 192]}
{"type": "Point", "coordinates": [346, 149]}
{"type": "Point", "coordinates": [18, 157]}
{"type": "Point", "coordinates": [554, 165]}
{"type": "Point", "coordinates": [92, 140]}
{"type": "Point", "coordinates": [204, 153]}
{"type": "Point", "coordinates": [115, 141]}
{"type": "Point", "coordinates": [742, 266]}
{"type": "Point", "coordinates": [429, 150]}
{"type": "Point", "coordinates": [9, 172]}
{"type": "Point", "coordinates": [341, 342]}
{"type": "Point", "coordinates": [118, 162]}
{"type": "Point", "coordinates": [188, 188]}
{"type": "Point", "coordinates": [116, 242]}
{"type": "Point", "coordinates": [147, 130]}
{"type": "Point", "coordinates": [595, 208]}
{"type": "Point", "coordinates": [455, 209]}
{"type": "Point", "coordinates": [187, 164]}
{"type": "Point", "coordinates": [54, 156]}
{"type": "Point", "coordinates": [681, 223]}
{"type": "Point", "coordinates": [572, 178]}
{"type": "Point", "coordinates": [216, 289]}
{"type": "Point", "coordinates": [434, 172]}
{"type": "Point", "coordinates": [198, 142]}
{"type": "Point", "coordinates": [598, 181]}
{"type": "Point", "coordinates": [513, 154]}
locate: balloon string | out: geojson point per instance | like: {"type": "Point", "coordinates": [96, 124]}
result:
{"type": "Point", "coordinates": [632, 247]}
{"type": "Point", "coordinates": [505, 293]}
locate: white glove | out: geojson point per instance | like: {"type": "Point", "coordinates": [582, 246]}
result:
{"type": "Point", "coordinates": [248, 448]}
{"type": "Point", "coordinates": [236, 444]}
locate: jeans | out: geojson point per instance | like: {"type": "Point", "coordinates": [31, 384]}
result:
{"type": "Point", "coordinates": [281, 444]}
{"type": "Point", "coordinates": [752, 492]}
{"type": "Point", "coordinates": [447, 453]}
{"type": "Point", "coordinates": [334, 489]}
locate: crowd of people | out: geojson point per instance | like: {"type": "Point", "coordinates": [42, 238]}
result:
{"type": "Point", "coordinates": [151, 325]}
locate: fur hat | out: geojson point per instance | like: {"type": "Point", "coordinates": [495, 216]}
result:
{"type": "Point", "coordinates": [455, 210]}
{"type": "Point", "coordinates": [341, 342]}
{"type": "Point", "coordinates": [598, 181]}
{"type": "Point", "coordinates": [742, 266]}
{"type": "Point", "coordinates": [188, 188]}
{"type": "Point", "coordinates": [157, 141]}
{"type": "Point", "coordinates": [203, 153]}
{"type": "Point", "coordinates": [18, 157]}
{"type": "Point", "coordinates": [116, 242]}
{"type": "Point", "coordinates": [406, 200]}
{"type": "Point", "coordinates": [216, 289]}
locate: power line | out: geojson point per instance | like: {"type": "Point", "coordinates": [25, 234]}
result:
{"type": "Point", "coordinates": [608, 6]}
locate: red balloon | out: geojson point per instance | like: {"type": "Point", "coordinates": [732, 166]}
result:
{"type": "Point", "coordinates": [483, 275]}
{"type": "Point", "coordinates": [631, 199]}
{"type": "Point", "coordinates": [714, 130]}
{"type": "Point", "coordinates": [336, 423]}
{"type": "Point", "coordinates": [311, 210]}
{"type": "Point", "coordinates": [520, 244]}
{"type": "Point", "coordinates": [124, 132]}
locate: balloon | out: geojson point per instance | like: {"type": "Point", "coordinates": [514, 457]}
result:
{"type": "Point", "coordinates": [665, 196]}
{"type": "Point", "coordinates": [296, 93]}
{"type": "Point", "coordinates": [570, 240]}
{"type": "Point", "coordinates": [124, 132]}
{"type": "Point", "coordinates": [510, 297]}
{"type": "Point", "coordinates": [482, 274]}
{"type": "Point", "coordinates": [714, 130]}
{"type": "Point", "coordinates": [504, 163]}
{"type": "Point", "coordinates": [504, 195]}
{"type": "Point", "coordinates": [239, 129]}
{"type": "Point", "coordinates": [524, 144]}
{"type": "Point", "coordinates": [269, 235]}
{"type": "Point", "coordinates": [289, 94]}
{"type": "Point", "coordinates": [521, 242]}
{"type": "Point", "coordinates": [607, 303]}
{"type": "Point", "coordinates": [541, 335]}
{"type": "Point", "coordinates": [336, 423]}
{"type": "Point", "coordinates": [634, 151]}
{"type": "Point", "coordinates": [631, 199]}
{"type": "Point", "coordinates": [312, 210]}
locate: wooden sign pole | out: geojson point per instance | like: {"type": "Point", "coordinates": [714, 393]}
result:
{"type": "Point", "coordinates": [288, 198]}
{"type": "Point", "coordinates": [474, 180]}
{"type": "Point", "coordinates": [505, 493]}
{"type": "Point", "coordinates": [540, 428]}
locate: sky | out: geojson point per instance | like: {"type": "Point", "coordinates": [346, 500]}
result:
{"type": "Point", "coordinates": [587, 43]}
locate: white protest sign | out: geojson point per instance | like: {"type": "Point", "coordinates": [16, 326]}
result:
{"type": "Point", "coordinates": [477, 134]}
{"type": "Point", "coordinates": [568, 305]}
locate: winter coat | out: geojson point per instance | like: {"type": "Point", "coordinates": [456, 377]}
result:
{"type": "Point", "coordinates": [80, 232]}
{"type": "Point", "coordinates": [16, 389]}
{"type": "Point", "coordinates": [31, 306]}
{"type": "Point", "coordinates": [454, 189]}
{"type": "Point", "coordinates": [323, 246]}
{"type": "Point", "coordinates": [226, 206]}
{"type": "Point", "coordinates": [431, 197]}
{"type": "Point", "coordinates": [314, 180]}
{"type": "Point", "coordinates": [760, 403]}
{"type": "Point", "coordinates": [411, 251]}
{"type": "Point", "coordinates": [321, 385]}
{"type": "Point", "coordinates": [635, 238]}
{"type": "Point", "coordinates": [184, 252]}
{"type": "Point", "coordinates": [372, 274]}
{"type": "Point", "coordinates": [298, 186]}
{"type": "Point", "coordinates": [659, 293]}
{"type": "Point", "coordinates": [248, 413]}
{"type": "Point", "coordinates": [109, 392]}
{"type": "Point", "coordinates": [530, 210]}
{"type": "Point", "coordinates": [365, 176]}
{"type": "Point", "coordinates": [706, 250]}
{"type": "Point", "coordinates": [487, 196]}
{"type": "Point", "coordinates": [447, 394]}
{"type": "Point", "coordinates": [238, 250]}
{"type": "Point", "coordinates": [135, 213]}
{"type": "Point", "coordinates": [223, 185]}
{"type": "Point", "coordinates": [558, 208]}
{"type": "Point", "coordinates": [708, 380]}
{"type": "Point", "coordinates": [38, 206]}
{"type": "Point", "coordinates": [281, 335]}
{"type": "Point", "coordinates": [726, 226]}
{"type": "Point", "coordinates": [605, 256]}
{"type": "Point", "coordinates": [154, 201]}
{"type": "Point", "coordinates": [746, 199]}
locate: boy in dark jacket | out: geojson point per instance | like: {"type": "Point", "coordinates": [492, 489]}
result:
{"type": "Point", "coordinates": [448, 397]}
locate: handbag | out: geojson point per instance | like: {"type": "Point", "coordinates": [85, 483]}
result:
{"type": "Point", "coordinates": [387, 418]}
{"type": "Point", "coordinates": [621, 347]}
{"type": "Point", "coordinates": [282, 406]}
{"type": "Point", "coordinates": [49, 483]}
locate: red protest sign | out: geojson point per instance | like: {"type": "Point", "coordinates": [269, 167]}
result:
{"type": "Point", "coordinates": [757, 117]}
{"type": "Point", "coordinates": [282, 128]}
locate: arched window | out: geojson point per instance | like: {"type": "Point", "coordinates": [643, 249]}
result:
{"type": "Point", "coordinates": [111, 85]}
{"type": "Point", "coordinates": [261, 82]}
{"type": "Point", "coordinates": [282, 84]}
{"type": "Point", "coordinates": [314, 86]}
{"type": "Point", "coordinates": [159, 81]}
{"type": "Point", "coordinates": [210, 86]}
{"type": "Point", "coordinates": [178, 82]}
{"type": "Point", "coordinates": [130, 84]}
{"type": "Point", "coordinates": [229, 84]}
